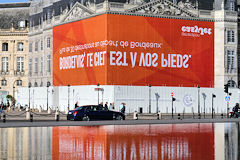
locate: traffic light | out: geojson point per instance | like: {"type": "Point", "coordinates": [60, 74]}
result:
{"type": "Point", "coordinates": [226, 88]}
{"type": "Point", "coordinates": [213, 95]}
{"type": "Point", "coordinates": [173, 99]}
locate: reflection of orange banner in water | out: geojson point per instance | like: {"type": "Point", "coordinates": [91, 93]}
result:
{"type": "Point", "coordinates": [75, 143]}
{"type": "Point", "coordinates": [134, 50]}
{"type": "Point", "coordinates": [188, 141]}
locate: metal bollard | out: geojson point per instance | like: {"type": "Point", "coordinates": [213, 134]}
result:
{"type": "Point", "coordinates": [40, 109]}
{"type": "Point", "coordinates": [4, 118]}
{"type": "Point", "coordinates": [27, 113]}
{"type": "Point", "coordinates": [49, 110]}
{"type": "Point", "coordinates": [179, 116]}
{"type": "Point", "coordinates": [199, 116]}
{"type": "Point", "coordinates": [57, 115]}
{"type": "Point", "coordinates": [135, 115]}
{"type": "Point", "coordinates": [222, 115]}
{"type": "Point", "coordinates": [67, 111]}
{"type": "Point", "coordinates": [159, 115]}
{"type": "Point", "coordinates": [31, 117]}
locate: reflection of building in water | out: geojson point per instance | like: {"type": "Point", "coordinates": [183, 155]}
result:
{"type": "Point", "coordinates": [25, 143]}
{"type": "Point", "coordinates": [219, 141]}
{"type": "Point", "coordinates": [231, 140]}
{"type": "Point", "coordinates": [190, 141]}
{"type": "Point", "coordinates": [176, 142]}
{"type": "Point", "coordinates": [227, 142]}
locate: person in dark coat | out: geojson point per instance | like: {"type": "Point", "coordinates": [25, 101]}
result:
{"type": "Point", "coordinates": [106, 105]}
{"type": "Point", "coordinates": [236, 108]}
{"type": "Point", "coordinates": [76, 104]}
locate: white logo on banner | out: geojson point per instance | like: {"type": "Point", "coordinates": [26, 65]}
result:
{"type": "Point", "coordinates": [188, 100]}
{"type": "Point", "coordinates": [195, 31]}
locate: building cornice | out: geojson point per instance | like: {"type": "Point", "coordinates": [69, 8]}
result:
{"type": "Point", "coordinates": [225, 20]}
{"type": "Point", "coordinates": [15, 5]}
{"type": "Point", "coordinates": [150, 15]}
{"type": "Point", "coordinates": [162, 16]}
{"type": "Point", "coordinates": [31, 34]}
{"type": "Point", "coordinates": [13, 34]}
{"type": "Point", "coordinates": [138, 14]}
{"type": "Point", "coordinates": [135, 14]}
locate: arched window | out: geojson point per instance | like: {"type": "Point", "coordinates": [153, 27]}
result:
{"type": "Point", "coordinates": [231, 83]}
{"type": "Point", "coordinates": [35, 84]}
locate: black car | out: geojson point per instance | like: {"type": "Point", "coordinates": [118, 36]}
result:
{"type": "Point", "coordinates": [94, 112]}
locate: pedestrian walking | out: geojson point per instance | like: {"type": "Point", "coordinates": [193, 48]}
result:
{"type": "Point", "coordinates": [236, 110]}
{"type": "Point", "coordinates": [110, 107]}
{"type": "Point", "coordinates": [123, 108]}
{"type": "Point", "coordinates": [106, 105]}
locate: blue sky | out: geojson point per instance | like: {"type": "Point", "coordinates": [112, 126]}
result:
{"type": "Point", "coordinates": [13, 1]}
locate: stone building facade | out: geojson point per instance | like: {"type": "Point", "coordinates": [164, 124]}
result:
{"type": "Point", "coordinates": [45, 14]}
{"type": "Point", "coordinates": [14, 46]}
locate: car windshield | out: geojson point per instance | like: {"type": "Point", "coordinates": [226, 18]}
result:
{"type": "Point", "coordinates": [78, 108]}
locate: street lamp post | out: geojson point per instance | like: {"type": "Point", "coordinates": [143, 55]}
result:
{"type": "Point", "coordinates": [204, 99]}
{"type": "Point", "coordinates": [73, 100]}
{"type": "Point", "coordinates": [47, 94]}
{"type": "Point", "coordinates": [213, 96]}
{"type": "Point", "coordinates": [29, 86]}
{"type": "Point", "coordinates": [173, 99]}
{"type": "Point", "coordinates": [13, 96]}
{"type": "Point", "coordinates": [149, 98]}
{"type": "Point", "coordinates": [157, 97]}
{"type": "Point", "coordinates": [102, 94]}
{"type": "Point", "coordinates": [98, 92]}
{"type": "Point", "coordinates": [14, 92]}
{"type": "Point", "coordinates": [68, 96]}
{"type": "Point", "coordinates": [199, 102]}
{"type": "Point", "coordinates": [239, 96]}
{"type": "Point", "coordinates": [33, 98]}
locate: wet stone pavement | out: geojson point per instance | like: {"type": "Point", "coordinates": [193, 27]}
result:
{"type": "Point", "coordinates": [18, 119]}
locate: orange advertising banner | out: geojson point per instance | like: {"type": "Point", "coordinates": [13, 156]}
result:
{"type": "Point", "coordinates": [134, 50]}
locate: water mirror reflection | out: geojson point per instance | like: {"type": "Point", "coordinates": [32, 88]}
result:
{"type": "Point", "coordinates": [170, 141]}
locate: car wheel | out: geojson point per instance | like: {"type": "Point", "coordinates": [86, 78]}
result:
{"type": "Point", "coordinates": [85, 118]}
{"type": "Point", "coordinates": [119, 117]}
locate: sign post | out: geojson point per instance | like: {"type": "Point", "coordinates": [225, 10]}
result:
{"type": "Point", "coordinates": [173, 99]}
{"type": "Point", "coordinates": [213, 96]}
{"type": "Point", "coordinates": [227, 99]}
